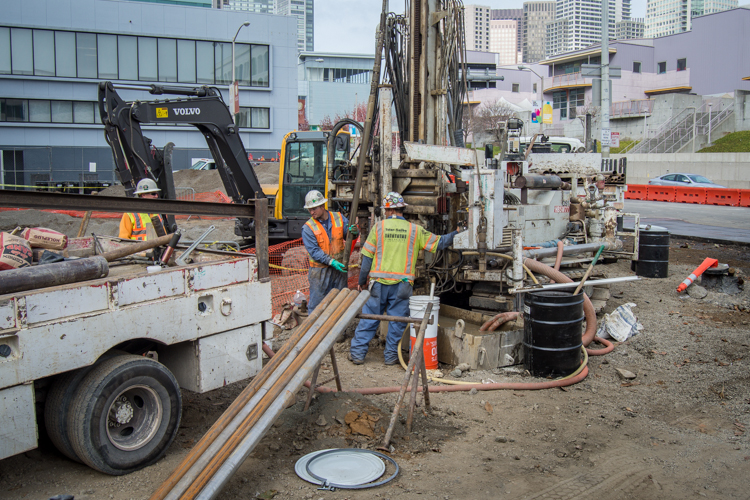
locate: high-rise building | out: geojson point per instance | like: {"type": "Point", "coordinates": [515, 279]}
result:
{"type": "Point", "coordinates": [477, 27]}
{"type": "Point", "coordinates": [185, 3]}
{"type": "Point", "coordinates": [303, 10]}
{"type": "Point", "coordinates": [584, 24]}
{"type": "Point", "coordinates": [629, 29]}
{"type": "Point", "coordinates": [515, 15]}
{"type": "Point", "coordinates": [667, 17]}
{"type": "Point", "coordinates": [504, 40]}
{"type": "Point", "coordinates": [536, 15]}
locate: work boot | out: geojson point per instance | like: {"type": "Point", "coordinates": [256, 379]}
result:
{"type": "Point", "coordinates": [391, 362]}
{"type": "Point", "coordinates": [356, 361]}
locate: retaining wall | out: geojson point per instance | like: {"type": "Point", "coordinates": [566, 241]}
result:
{"type": "Point", "coordinates": [727, 169]}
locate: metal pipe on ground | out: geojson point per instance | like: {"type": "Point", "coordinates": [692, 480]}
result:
{"type": "Point", "coordinates": [235, 460]}
{"type": "Point", "coordinates": [58, 273]}
{"type": "Point", "coordinates": [137, 247]}
{"type": "Point", "coordinates": [397, 319]}
{"type": "Point", "coordinates": [573, 249]}
{"type": "Point", "coordinates": [244, 397]}
{"type": "Point", "coordinates": [226, 446]}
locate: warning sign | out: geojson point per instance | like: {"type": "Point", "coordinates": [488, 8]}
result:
{"type": "Point", "coordinates": [162, 112]}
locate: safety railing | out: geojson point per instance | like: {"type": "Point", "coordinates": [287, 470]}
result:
{"type": "Point", "coordinates": [631, 108]}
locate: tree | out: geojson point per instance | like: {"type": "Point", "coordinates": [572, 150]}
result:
{"type": "Point", "coordinates": [326, 123]}
{"type": "Point", "coordinates": [303, 125]}
{"type": "Point", "coordinates": [490, 118]}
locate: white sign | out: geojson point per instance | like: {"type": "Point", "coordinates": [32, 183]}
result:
{"type": "Point", "coordinates": [606, 136]}
{"type": "Point", "coordinates": [615, 139]}
{"type": "Point", "coordinates": [92, 166]}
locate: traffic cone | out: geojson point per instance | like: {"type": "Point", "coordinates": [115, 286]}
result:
{"type": "Point", "coordinates": [698, 271]}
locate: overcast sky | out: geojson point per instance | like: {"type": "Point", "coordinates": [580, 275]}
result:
{"type": "Point", "coordinates": [349, 26]}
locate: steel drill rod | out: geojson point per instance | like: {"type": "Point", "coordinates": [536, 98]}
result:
{"type": "Point", "coordinates": [571, 249]}
{"type": "Point", "coordinates": [200, 463]}
{"type": "Point", "coordinates": [268, 398]}
{"type": "Point", "coordinates": [248, 443]}
{"type": "Point", "coordinates": [398, 319]}
{"type": "Point", "coordinates": [413, 394]}
{"type": "Point", "coordinates": [57, 273]}
{"type": "Point", "coordinates": [412, 361]}
{"type": "Point", "coordinates": [137, 247]}
{"type": "Point", "coordinates": [425, 388]}
{"type": "Point", "coordinates": [588, 271]}
{"type": "Point", "coordinates": [242, 399]}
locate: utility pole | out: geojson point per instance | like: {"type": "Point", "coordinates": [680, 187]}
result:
{"type": "Point", "coordinates": [605, 79]}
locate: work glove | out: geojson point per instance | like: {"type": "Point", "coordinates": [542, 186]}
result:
{"type": "Point", "coordinates": [354, 230]}
{"type": "Point", "coordinates": [337, 265]}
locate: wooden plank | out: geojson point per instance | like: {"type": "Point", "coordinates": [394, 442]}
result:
{"type": "Point", "coordinates": [261, 236]}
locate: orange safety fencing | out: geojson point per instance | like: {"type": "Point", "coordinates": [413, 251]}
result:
{"type": "Point", "coordinates": [661, 193]}
{"type": "Point", "coordinates": [691, 195]}
{"type": "Point", "coordinates": [289, 264]}
{"type": "Point", "coordinates": [745, 197]}
{"type": "Point", "coordinates": [724, 197]}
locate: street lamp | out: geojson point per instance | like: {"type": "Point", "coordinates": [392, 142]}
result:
{"type": "Point", "coordinates": [234, 97]}
{"type": "Point", "coordinates": [539, 91]}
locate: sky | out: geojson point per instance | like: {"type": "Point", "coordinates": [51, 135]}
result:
{"type": "Point", "coordinates": [349, 26]}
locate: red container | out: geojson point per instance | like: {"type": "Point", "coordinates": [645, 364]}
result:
{"type": "Point", "coordinates": [724, 197]}
{"type": "Point", "coordinates": [661, 193]}
{"type": "Point", "coordinates": [690, 195]}
{"type": "Point", "coordinates": [636, 192]}
{"type": "Point", "coordinates": [745, 197]}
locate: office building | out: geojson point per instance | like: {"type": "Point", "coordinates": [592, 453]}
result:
{"type": "Point", "coordinates": [477, 27]}
{"type": "Point", "coordinates": [50, 128]}
{"type": "Point", "coordinates": [536, 16]}
{"type": "Point", "coordinates": [584, 24]}
{"type": "Point", "coordinates": [504, 41]}
{"type": "Point", "coordinates": [629, 29]}
{"type": "Point", "coordinates": [668, 17]}
{"type": "Point", "coordinates": [257, 6]}
{"type": "Point", "coordinates": [303, 10]}
{"type": "Point", "coordinates": [511, 14]}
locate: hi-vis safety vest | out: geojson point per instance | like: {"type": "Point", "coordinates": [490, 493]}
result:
{"type": "Point", "coordinates": [140, 230]}
{"type": "Point", "coordinates": [394, 246]}
{"type": "Point", "coordinates": [335, 248]}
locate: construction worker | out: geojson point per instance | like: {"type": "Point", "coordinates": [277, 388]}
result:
{"type": "Point", "coordinates": [389, 256]}
{"type": "Point", "coordinates": [141, 226]}
{"type": "Point", "coordinates": [324, 236]}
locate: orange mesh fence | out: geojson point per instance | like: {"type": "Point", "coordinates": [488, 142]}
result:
{"type": "Point", "coordinates": [289, 264]}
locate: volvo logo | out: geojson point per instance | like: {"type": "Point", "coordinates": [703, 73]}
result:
{"type": "Point", "coordinates": [187, 111]}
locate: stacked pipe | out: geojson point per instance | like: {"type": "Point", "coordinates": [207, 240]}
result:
{"type": "Point", "coordinates": [221, 451]}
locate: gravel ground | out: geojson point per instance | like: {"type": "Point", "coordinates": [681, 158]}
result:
{"type": "Point", "coordinates": [678, 430]}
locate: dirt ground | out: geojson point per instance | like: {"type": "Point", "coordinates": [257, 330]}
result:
{"type": "Point", "coordinates": [678, 430]}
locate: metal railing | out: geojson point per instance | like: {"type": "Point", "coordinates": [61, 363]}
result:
{"type": "Point", "coordinates": [566, 79]}
{"type": "Point", "coordinates": [667, 128]}
{"type": "Point", "coordinates": [631, 108]}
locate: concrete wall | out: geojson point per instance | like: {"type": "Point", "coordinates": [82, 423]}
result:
{"type": "Point", "coordinates": [728, 169]}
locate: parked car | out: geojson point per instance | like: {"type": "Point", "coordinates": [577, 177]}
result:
{"type": "Point", "coordinates": [684, 180]}
{"type": "Point", "coordinates": [204, 164]}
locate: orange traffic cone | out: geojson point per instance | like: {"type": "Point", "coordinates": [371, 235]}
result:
{"type": "Point", "coordinates": [698, 271]}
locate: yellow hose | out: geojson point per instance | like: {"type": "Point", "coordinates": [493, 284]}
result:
{"type": "Point", "coordinates": [459, 382]}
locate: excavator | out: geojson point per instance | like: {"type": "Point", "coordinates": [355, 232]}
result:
{"type": "Point", "coordinates": [303, 166]}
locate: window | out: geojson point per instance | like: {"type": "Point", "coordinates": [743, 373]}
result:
{"type": "Point", "coordinates": [147, 59]}
{"type": "Point", "coordinates": [204, 52]}
{"type": "Point", "coordinates": [254, 118]}
{"type": "Point", "coordinates": [242, 63]}
{"type": "Point", "coordinates": [39, 111]}
{"type": "Point", "coordinates": [223, 62]}
{"type": "Point", "coordinates": [65, 54]}
{"type": "Point", "coordinates": [534, 87]}
{"type": "Point", "coordinates": [14, 110]}
{"type": "Point", "coordinates": [259, 66]}
{"type": "Point", "coordinates": [514, 87]}
{"type": "Point", "coordinates": [167, 51]}
{"type": "Point", "coordinates": [62, 112]}
{"type": "Point", "coordinates": [661, 67]}
{"type": "Point", "coordinates": [127, 50]}
{"type": "Point", "coordinates": [185, 61]}
{"type": "Point", "coordinates": [86, 55]}
{"type": "Point", "coordinates": [107, 55]}
{"type": "Point", "coordinates": [83, 112]}
{"type": "Point", "coordinates": [44, 53]}
{"type": "Point", "coordinates": [636, 67]}
{"type": "Point", "coordinates": [681, 64]}
{"type": "Point", "coordinates": [576, 99]}
{"type": "Point", "coordinates": [21, 51]}
{"type": "Point", "coordinates": [4, 51]}
{"type": "Point", "coordinates": [560, 101]}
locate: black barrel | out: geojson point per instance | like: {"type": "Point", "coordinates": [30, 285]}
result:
{"type": "Point", "coordinates": [653, 253]}
{"type": "Point", "coordinates": [552, 332]}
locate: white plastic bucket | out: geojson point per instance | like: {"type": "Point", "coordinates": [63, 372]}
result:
{"type": "Point", "coordinates": [417, 307]}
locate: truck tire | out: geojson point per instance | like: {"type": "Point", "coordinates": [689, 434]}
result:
{"type": "Point", "coordinates": [125, 414]}
{"type": "Point", "coordinates": [57, 405]}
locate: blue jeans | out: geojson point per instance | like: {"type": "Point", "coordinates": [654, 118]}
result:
{"type": "Point", "coordinates": [389, 299]}
{"type": "Point", "coordinates": [322, 280]}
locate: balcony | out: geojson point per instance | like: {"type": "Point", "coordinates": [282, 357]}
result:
{"type": "Point", "coordinates": [566, 81]}
{"type": "Point", "coordinates": [629, 109]}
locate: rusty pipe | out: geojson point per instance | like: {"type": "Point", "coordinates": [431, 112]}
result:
{"type": "Point", "coordinates": [221, 423]}
{"type": "Point", "coordinates": [58, 273]}
{"type": "Point", "coordinates": [137, 247]}
{"type": "Point", "coordinates": [397, 319]}
{"type": "Point", "coordinates": [538, 181]}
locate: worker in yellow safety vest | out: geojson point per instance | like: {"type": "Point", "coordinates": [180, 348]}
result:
{"type": "Point", "coordinates": [324, 236]}
{"type": "Point", "coordinates": [389, 257]}
{"type": "Point", "coordinates": [140, 227]}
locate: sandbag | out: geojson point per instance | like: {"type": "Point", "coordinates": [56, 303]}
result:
{"type": "Point", "coordinates": [41, 237]}
{"type": "Point", "coordinates": [15, 252]}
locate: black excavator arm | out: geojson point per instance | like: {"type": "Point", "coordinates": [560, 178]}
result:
{"type": "Point", "coordinates": [136, 158]}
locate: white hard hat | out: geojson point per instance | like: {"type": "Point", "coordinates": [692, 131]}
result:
{"type": "Point", "coordinates": [394, 200]}
{"type": "Point", "coordinates": [146, 186]}
{"type": "Point", "coordinates": [314, 199]}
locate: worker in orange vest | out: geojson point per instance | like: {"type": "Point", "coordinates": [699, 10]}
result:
{"type": "Point", "coordinates": [140, 227]}
{"type": "Point", "coordinates": [324, 236]}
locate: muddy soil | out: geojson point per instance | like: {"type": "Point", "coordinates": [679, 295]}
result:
{"type": "Point", "coordinates": [678, 430]}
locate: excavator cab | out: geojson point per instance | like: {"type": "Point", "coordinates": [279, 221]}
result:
{"type": "Point", "coordinates": [304, 167]}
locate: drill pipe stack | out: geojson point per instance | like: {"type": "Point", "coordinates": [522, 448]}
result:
{"type": "Point", "coordinates": [221, 451]}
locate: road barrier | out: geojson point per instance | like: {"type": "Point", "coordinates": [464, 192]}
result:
{"type": "Point", "coordinates": [724, 197]}
{"type": "Point", "coordinates": [702, 196]}
{"type": "Point", "coordinates": [660, 193]}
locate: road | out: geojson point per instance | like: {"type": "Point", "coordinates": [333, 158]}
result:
{"type": "Point", "coordinates": [715, 223]}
